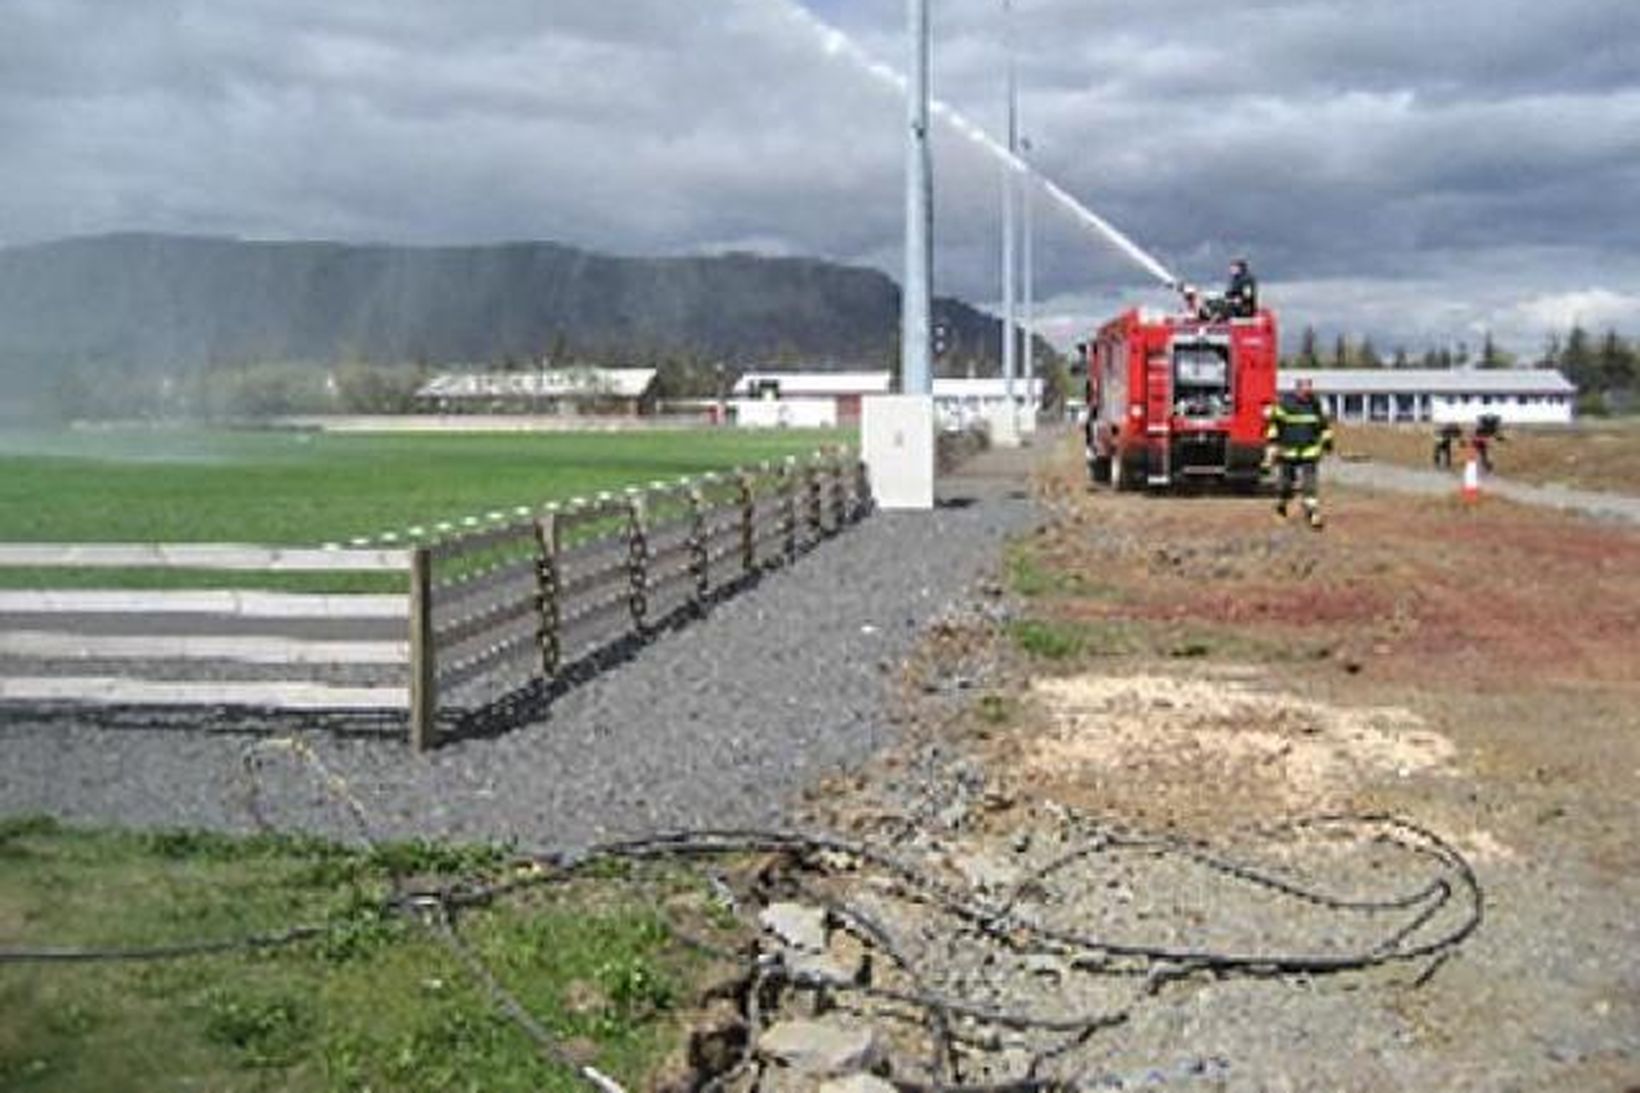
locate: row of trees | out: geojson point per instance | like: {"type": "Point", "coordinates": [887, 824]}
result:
{"type": "Point", "coordinates": [1606, 369]}
{"type": "Point", "coordinates": [1346, 352]}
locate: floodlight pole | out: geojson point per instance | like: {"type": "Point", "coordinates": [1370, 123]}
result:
{"type": "Point", "coordinates": [1028, 278]}
{"type": "Point", "coordinates": [915, 308]}
{"type": "Point", "coordinates": [1009, 266]}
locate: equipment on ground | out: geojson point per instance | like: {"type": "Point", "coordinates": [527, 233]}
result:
{"type": "Point", "coordinates": [1179, 398]}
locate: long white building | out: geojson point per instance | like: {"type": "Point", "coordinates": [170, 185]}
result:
{"type": "Point", "coordinates": [1519, 396]}
{"type": "Point", "coordinates": [961, 403]}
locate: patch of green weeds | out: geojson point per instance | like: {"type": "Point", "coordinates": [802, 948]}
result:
{"type": "Point", "coordinates": [420, 857]}
{"type": "Point", "coordinates": [361, 928]}
{"type": "Point", "coordinates": [261, 1029]}
{"type": "Point", "coordinates": [375, 1003]}
{"type": "Point", "coordinates": [1052, 640]}
{"type": "Point", "coordinates": [1032, 576]}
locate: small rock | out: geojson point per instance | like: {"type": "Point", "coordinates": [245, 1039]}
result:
{"type": "Point", "coordinates": [824, 967]}
{"type": "Point", "coordinates": [984, 871]}
{"type": "Point", "coordinates": [801, 927]}
{"type": "Point", "coordinates": [857, 1083]}
{"type": "Point", "coordinates": [1045, 965]}
{"type": "Point", "coordinates": [820, 1047]}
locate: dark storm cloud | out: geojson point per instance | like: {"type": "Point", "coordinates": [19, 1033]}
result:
{"type": "Point", "coordinates": [1360, 152]}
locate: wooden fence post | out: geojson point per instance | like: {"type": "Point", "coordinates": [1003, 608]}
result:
{"type": "Point", "coordinates": [788, 508]}
{"type": "Point", "coordinates": [748, 526]}
{"type": "Point", "coordinates": [549, 616]}
{"type": "Point", "coordinates": [700, 555]}
{"type": "Point", "coordinates": [839, 492]}
{"type": "Point", "coordinates": [637, 554]}
{"type": "Point", "coordinates": [817, 520]}
{"type": "Point", "coordinates": [423, 654]}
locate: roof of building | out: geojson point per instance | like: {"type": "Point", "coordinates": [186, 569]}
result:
{"type": "Point", "coordinates": [801, 384]}
{"type": "Point", "coordinates": [985, 387]}
{"type": "Point", "coordinates": [558, 383]}
{"type": "Point", "coordinates": [1434, 381]}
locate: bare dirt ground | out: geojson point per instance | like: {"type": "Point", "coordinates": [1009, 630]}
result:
{"type": "Point", "coordinates": [1184, 671]}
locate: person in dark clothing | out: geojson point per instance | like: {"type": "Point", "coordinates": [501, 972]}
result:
{"type": "Point", "coordinates": [1445, 437]}
{"type": "Point", "coordinates": [1488, 427]}
{"type": "Point", "coordinates": [1298, 433]}
{"type": "Point", "coordinates": [1241, 294]}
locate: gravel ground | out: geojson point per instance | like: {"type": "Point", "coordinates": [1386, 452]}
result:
{"type": "Point", "coordinates": [1609, 506]}
{"type": "Point", "coordinates": [719, 723]}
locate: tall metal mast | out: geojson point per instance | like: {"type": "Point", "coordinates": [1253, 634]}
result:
{"type": "Point", "coordinates": [917, 303]}
{"type": "Point", "coordinates": [1009, 173]}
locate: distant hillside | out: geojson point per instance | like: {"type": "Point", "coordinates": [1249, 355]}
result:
{"type": "Point", "coordinates": [165, 305]}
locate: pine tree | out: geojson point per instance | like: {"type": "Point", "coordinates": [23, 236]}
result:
{"type": "Point", "coordinates": [1615, 363]}
{"type": "Point", "coordinates": [1492, 356]}
{"type": "Point", "coordinates": [1577, 360]}
{"type": "Point", "coordinates": [1367, 355]}
{"type": "Point", "coordinates": [1308, 356]}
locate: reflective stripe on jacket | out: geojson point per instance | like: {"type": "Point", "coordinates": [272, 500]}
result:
{"type": "Point", "coordinates": [1299, 427]}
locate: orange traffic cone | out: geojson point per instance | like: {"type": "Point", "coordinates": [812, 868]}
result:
{"type": "Point", "coordinates": [1471, 480]}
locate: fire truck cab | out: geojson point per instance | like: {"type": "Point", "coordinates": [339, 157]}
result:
{"type": "Point", "coordinates": [1177, 399]}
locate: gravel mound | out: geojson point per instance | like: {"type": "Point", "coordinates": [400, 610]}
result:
{"type": "Point", "coordinates": [719, 723]}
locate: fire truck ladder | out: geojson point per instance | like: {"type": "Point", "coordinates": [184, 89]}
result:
{"type": "Point", "coordinates": [1158, 418]}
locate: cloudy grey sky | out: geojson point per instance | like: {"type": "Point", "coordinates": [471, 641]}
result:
{"type": "Point", "coordinates": [1417, 170]}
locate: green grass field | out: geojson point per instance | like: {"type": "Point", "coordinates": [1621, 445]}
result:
{"type": "Point", "coordinates": [375, 1002]}
{"type": "Point", "coordinates": [312, 488]}
{"type": "Point", "coordinates": [308, 489]}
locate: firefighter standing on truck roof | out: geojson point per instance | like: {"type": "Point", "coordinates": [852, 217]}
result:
{"type": "Point", "coordinates": [1297, 435]}
{"type": "Point", "coordinates": [1241, 294]}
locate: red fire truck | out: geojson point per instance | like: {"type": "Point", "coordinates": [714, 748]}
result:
{"type": "Point", "coordinates": [1176, 399]}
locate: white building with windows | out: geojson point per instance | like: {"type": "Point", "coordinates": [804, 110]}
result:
{"type": "Point", "coordinates": [1518, 396]}
{"type": "Point", "coordinates": [805, 398]}
{"type": "Point", "coordinates": [962, 403]}
{"type": "Point", "coordinates": [830, 398]}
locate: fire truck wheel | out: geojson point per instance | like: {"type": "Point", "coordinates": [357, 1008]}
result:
{"type": "Point", "coordinates": [1122, 476]}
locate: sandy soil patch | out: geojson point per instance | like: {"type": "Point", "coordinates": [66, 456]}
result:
{"type": "Point", "coordinates": [1182, 739]}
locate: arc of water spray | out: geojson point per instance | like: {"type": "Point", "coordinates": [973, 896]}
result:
{"type": "Point", "coordinates": [837, 43]}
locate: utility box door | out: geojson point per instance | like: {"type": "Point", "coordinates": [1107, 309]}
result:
{"type": "Point", "coordinates": [897, 443]}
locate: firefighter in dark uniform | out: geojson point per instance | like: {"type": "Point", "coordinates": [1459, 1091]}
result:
{"type": "Point", "coordinates": [1297, 435]}
{"type": "Point", "coordinates": [1241, 294]}
{"type": "Point", "coordinates": [1446, 436]}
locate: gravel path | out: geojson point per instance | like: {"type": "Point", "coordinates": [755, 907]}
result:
{"type": "Point", "coordinates": [719, 723]}
{"type": "Point", "coordinates": [1610, 506]}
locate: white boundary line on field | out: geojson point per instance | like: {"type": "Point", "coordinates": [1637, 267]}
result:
{"type": "Point", "coordinates": [114, 691]}
{"type": "Point", "coordinates": [239, 604]}
{"type": "Point", "coordinates": [232, 556]}
{"type": "Point", "coordinates": [248, 649]}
